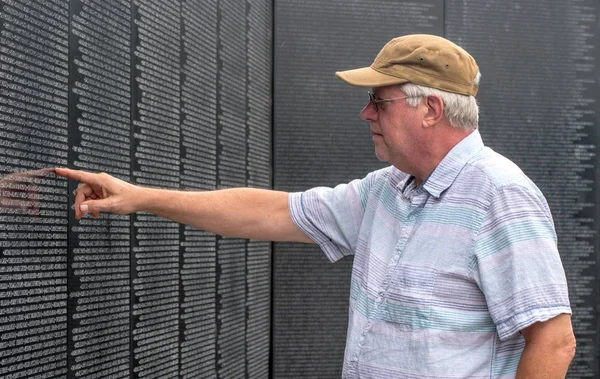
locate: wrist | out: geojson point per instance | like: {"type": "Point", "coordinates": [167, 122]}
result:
{"type": "Point", "coordinates": [144, 199]}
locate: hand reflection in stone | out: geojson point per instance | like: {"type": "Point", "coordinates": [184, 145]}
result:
{"type": "Point", "coordinates": [20, 191]}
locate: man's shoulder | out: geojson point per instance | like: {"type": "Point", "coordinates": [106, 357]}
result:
{"type": "Point", "coordinates": [489, 174]}
{"type": "Point", "coordinates": [496, 170]}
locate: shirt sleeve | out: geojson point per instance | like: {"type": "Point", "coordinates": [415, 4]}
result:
{"type": "Point", "coordinates": [331, 216]}
{"type": "Point", "coordinates": [517, 264]}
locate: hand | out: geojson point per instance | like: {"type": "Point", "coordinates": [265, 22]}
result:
{"type": "Point", "coordinates": [101, 193]}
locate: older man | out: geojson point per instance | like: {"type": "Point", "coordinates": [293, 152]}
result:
{"type": "Point", "coordinates": [456, 269]}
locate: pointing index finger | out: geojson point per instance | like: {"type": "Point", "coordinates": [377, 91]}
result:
{"type": "Point", "coordinates": [80, 176]}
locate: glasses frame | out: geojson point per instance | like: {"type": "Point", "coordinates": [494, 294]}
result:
{"type": "Point", "coordinates": [376, 101]}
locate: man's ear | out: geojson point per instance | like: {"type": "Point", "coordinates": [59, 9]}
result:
{"type": "Point", "coordinates": [435, 110]}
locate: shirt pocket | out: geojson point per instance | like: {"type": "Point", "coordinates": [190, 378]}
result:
{"type": "Point", "coordinates": [410, 293]}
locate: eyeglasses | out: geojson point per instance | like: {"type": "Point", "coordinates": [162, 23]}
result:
{"type": "Point", "coordinates": [375, 101]}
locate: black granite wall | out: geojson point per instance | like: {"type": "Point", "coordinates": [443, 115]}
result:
{"type": "Point", "coordinates": [178, 94]}
{"type": "Point", "coordinates": [171, 94]}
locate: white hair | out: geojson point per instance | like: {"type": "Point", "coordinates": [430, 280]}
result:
{"type": "Point", "coordinates": [461, 111]}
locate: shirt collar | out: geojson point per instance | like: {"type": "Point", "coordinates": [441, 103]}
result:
{"type": "Point", "coordinates": [447, 170]}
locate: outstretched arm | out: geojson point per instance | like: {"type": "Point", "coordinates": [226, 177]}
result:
{"type": "Point", "coordinates": [238, 212]}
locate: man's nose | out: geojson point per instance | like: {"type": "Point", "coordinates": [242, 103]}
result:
{"type": "Point", "coordinates": [368, 113]}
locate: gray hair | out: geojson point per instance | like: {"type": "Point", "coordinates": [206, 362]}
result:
{"type": "Point", "coordinates": [461, 111]}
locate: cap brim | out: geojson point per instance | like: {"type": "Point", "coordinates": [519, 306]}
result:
{"type": "Point", "coordinates": [367, 77]}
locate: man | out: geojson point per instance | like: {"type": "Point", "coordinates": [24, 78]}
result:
{"type": "Point", "coordinates": [456, 270]}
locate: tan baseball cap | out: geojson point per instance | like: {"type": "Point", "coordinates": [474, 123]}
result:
{"type": "Point", "coordinates": [422, 59]}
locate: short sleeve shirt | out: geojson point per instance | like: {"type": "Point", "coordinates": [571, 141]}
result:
{"type": "Point", "coordinates": [445, 274]}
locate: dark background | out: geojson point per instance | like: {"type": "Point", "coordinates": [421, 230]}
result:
{"type": "Point", "coordinates": [212, 94]}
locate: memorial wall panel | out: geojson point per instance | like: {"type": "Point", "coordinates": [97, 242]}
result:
{"type": "Point", "coordinates": [320, 140]}
{"type": "Point", "coordinates": [156, 146]}
{"type": "Point", "coordinates": [258, 116]}
{"type": "Point", "coordinates": [99, 257]}
{"type": "Point", "coordinates": [34, 76]}
{"type": "Point", "coordinates": [198, 172]}
{"type": "Point", "coordinates": [231, 172]}
{"type": "Point", "coordinates": [538, 102]}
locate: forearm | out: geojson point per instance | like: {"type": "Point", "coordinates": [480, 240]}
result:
{"type": "Point", "coordinates": [238, 212]}
{"type": "Point", "coordinates": [544, 361]}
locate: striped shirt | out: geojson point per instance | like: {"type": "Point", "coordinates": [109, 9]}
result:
{"type": "Point", "coordinates": [445, 274]}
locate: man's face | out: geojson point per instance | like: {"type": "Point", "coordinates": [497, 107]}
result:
{"type": "Point", "coordinates": [395, 128]}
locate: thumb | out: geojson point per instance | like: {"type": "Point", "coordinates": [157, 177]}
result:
{"type": "Point", "coordinates": [94, 207]}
